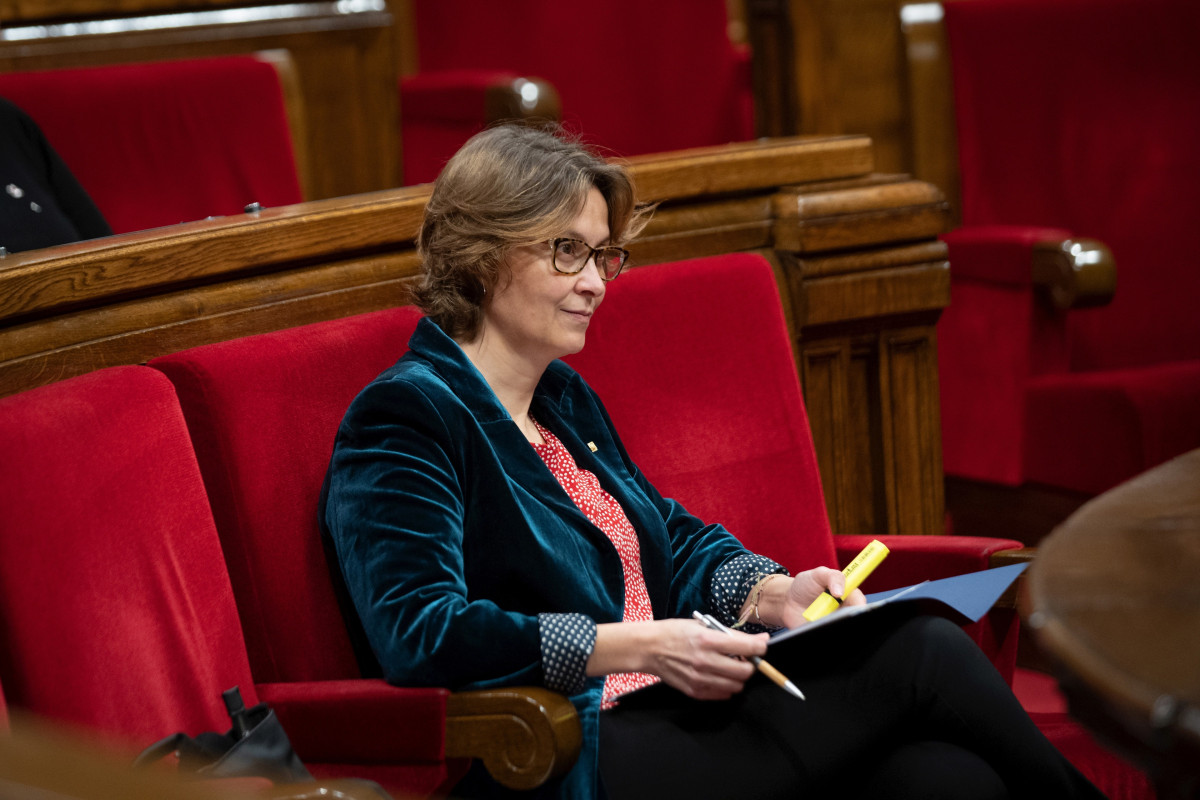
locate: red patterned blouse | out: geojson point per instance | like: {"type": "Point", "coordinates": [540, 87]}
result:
{"type": "Point", "coordinates": [603, 511]}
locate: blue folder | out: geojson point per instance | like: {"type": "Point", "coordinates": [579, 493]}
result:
{"type": "Point", "coordinates": [962, 598]}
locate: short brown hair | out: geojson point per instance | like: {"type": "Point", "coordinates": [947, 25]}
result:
{"type": "Point", "coordinates": [507, 186]}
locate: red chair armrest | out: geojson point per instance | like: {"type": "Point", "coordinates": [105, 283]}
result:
{"type": "Point", "coordinates": [476, 96]}
{"type": "Point", "coordinates": [918, 558]}
{"type": "Point", "coordinates": [997, 253]}
{"type": "Point", "coordinates": [440, 110]}
{"type": "Point", "coordinates": [1073, 272]}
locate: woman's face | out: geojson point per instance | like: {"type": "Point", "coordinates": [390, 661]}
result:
{"type": "Point", "coordinates": [542, 314]}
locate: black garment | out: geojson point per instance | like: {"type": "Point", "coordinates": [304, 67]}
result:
{"type": "Point", "coordinates": [904, 708]}
{"type": "Point", "coordinates": [41, 203]}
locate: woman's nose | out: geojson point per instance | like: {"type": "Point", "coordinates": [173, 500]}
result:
{"type": "Point", "coordinates": [590, 277]}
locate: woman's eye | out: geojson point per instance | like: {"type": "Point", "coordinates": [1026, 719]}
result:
{"type": "Point", "coordinates": [568, 248]}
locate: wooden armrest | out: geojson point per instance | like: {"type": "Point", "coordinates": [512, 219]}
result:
{"type": "Point", "coordinates": [1005, 558]}
{"type": "Point", "coordinates": [1075, 273]}
{"type": "Point", "coordinates": [523, 735]}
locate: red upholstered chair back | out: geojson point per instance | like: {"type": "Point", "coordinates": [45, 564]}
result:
{"type": "Point", "coordinates": [161, 143]}
{"type": "Point", "coordinates": [633, 76]}
{"type": "Point", "coordinates": [694, 363]}
{"type": "Point", "coordinates": [1084, 115]}
{"type": "Point", "coordinates": [263, 411]}
{"type": "Point", "coordinates": [116, 614]}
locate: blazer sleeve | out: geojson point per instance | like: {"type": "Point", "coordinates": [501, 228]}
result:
{"type": "Point", "coordinates": [393, 507]}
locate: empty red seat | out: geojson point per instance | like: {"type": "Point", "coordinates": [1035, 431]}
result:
{"type": "Point", "coordinates": [167, 142]}
{"type": "Point", "coordinates": [632, 77]}
{"type": "Point", "coordinates": [116, 614]}
{"type": "Point", "coordinates": [1076, 118]}
{"type": "Point", "coordinates": [263, 411]}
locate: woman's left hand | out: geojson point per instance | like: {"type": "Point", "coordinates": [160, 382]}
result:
{"type": "Point", "coordinates": [807, 586]}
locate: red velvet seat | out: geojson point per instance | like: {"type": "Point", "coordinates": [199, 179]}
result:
{"type": "Point", "coordinates": [161, 143]}
{"type": "Point", "coordinates": [1075, 118]}
{"type": "Point", "coordinates": [263, 412]}
{"type": "Point", "coordinates": [3, 713]}
{"type": "Point", "coordinates": [115, 614]}
{"type": "Point", "coordinates": [632, 77]}
{"type": "Point", "coordinates": [116, 610]}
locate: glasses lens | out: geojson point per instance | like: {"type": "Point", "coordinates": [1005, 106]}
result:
{"type": "Point", "coordinates": [570, 255]}
{"type": "Point", "coordinates": [610, 260]}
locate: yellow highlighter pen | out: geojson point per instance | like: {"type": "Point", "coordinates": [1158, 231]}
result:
{"type": "Point", "coordinates": [856, 572]}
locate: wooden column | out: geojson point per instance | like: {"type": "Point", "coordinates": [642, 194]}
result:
{"type": "Point", "coordinates": [867, 280]}
{"type": "Point", "coordinates": [832, 66]}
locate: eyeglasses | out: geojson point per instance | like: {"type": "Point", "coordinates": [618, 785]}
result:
{"type": "Point", "coordinates": [570, 256]}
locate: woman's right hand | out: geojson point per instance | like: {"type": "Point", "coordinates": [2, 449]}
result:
{"type": "Point", "coordinates": [701, 663]}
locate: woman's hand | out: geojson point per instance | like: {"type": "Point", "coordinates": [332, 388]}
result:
{"type": "Point", "coordinates": [701, 663]}
{"type": "Point", "coordinates": [804, 589]}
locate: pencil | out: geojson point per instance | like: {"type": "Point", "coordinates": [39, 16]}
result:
{"type": "Point", "coordinates": [777, 677]}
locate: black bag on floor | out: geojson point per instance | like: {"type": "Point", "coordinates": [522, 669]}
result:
{"type": "Point", "coordinates": [256, 746]}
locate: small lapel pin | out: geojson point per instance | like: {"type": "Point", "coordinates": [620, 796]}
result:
{"type": "Point", "coordinates": [592, 447]}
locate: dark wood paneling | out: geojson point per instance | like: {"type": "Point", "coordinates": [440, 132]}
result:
{"type": "Point", "coordinates": [832, 66]}
{"type": "Point", "coordinates": [867, 280]}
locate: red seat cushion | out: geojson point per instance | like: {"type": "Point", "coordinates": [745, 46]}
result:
{"type": "Point", "coordinates": [263, 411]}
{"type": "Point", "coordinates": [161, 143]}
{"type": "Point", "coordinates": [115, 610]}
{"type": "Point", "coordinates": [1114, 776]}
{"type": "Point", "coordinates": [1091, 431]}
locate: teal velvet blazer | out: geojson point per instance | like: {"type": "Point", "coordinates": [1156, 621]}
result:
{"type": "Point", "coordinates": [453, 536]}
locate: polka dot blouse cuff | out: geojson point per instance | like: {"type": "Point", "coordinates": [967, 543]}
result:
{"type": "Point", "coordinates": [567, 643]}
{"type": "Point", "coordinates": [731, 585]}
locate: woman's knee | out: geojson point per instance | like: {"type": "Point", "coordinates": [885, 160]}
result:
{"type": "Point", "coordinates": [941, 639]}
{"type": "Point", "coordinates": [932, 770]}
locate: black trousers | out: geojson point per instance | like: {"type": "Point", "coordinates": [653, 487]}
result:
{"type": "Point", "coordinates": [904, 707]}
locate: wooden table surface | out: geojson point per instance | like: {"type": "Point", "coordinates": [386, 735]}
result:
{"type": "Point", "coordinates": [1114, 600]}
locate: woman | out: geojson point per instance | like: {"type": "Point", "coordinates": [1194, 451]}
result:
{"type": "Point", "coordinates": [491, 530]}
